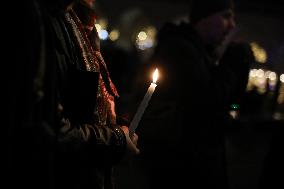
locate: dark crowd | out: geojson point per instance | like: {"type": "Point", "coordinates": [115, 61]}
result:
{"type": "Point", "coordinates": [70, 97]}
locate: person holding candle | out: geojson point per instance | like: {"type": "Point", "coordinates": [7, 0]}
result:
{"type": "Point", "coordinates": [182, 132]}
{"type": "Point", "coordinates": [89, 141]}
{"type": "Point", "coordinates": [58, 137]}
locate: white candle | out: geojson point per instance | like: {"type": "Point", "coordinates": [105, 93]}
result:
{"type": "Point", "coordinates": [143, 105]}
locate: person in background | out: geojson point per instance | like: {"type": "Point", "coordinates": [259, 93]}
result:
{"type": "Point", "coordinates": [182, 131]}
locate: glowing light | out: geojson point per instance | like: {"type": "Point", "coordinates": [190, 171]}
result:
{"type": "Point", "coordinates": [151, 31]}
{"type": "Point", "coordinates": [146, 38]}
{"type": "Point", "coordinates": [252, 73]}
{"type": "Point", "coordinates": [98, 27]}
{"type": "Point", "coordinates": [103, 23]}
{"type": "Point", "coordinates": [114, 35]}
{"type": "Point", "coordinates": [234, 114]}
{"type": "Point", "coordinates": [155, 75]}
{"type": "Point", "coordinates": [260, 73]}
{"type": "Point", "coordinates": [258, 52]}
{"type": "Point", "coordinates": [280, 98]}
{"type": "Point", "coordinates": [272, 81]}
{"type": "Point", "coordinates": [103, 34]}
{"type": "Point", "coordinates": [282, 78]}
{"type": "Point", "coordinates": [142, 36]}
{"type": "Point", "coordinates": [235, 106]}
{"type": "Point", "coordinates": [142, 45]}
{"type": "Point", "coordinates": [266, 75]}
{"type": "Point", "coordinates": [272, 76]}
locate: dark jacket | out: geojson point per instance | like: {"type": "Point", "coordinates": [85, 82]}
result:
{"type": "Point", "coordinates": [183, 127]}
{"type": "Point", "coordinates": [44, 149]}
{"type": "Point", "coordinates": [32, 109]}
{"type": "Point", "coordinates": [86, 152]}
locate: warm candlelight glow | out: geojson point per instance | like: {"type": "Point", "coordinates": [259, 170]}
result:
{"type": "Point", "coordinates": [155, 76]}
{"type": "Point", "coordinates": [143, 105]}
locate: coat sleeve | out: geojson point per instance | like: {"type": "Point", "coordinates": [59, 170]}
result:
{"type": "Point", "coordinates": [78, 129]}
{"type": "Point", "coordinates": [107, 143]}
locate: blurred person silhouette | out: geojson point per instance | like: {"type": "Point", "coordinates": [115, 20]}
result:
{"type": "Point", "coordinates": [273, 165]}
{"type": "Point", "coordinates": [182, 131]}
{"type": "Point", "coordinates": [32, 102]}
{"type": "Point", "coordinates": [90, 142]}
{"type": "Point", "coordinates": [239, 55]}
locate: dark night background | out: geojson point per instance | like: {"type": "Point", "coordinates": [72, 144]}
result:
{"type": "Point", "coordinates": [254, 146]}
{"type": "Point", "coordinates": [254, 157]}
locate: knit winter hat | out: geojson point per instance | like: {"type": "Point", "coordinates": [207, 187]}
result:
{"type": "Point", "coordinates": [202, 8]}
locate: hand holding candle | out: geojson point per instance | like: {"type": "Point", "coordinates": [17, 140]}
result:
{"type": "Point", "coordinates": [144, 104]}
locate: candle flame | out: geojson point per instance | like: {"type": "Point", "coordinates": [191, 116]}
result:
{"type": "Point", "coordinates": [155, 76]}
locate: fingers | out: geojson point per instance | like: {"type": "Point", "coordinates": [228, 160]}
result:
{"type": "Point", "coordinates": [134, 139]}
{"type": "Point", "coordinates": [131, 142]}
{"type": "Point", "coordinates": [132, 148]}
{"type": "Point", "coordinates": [125, 130]}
